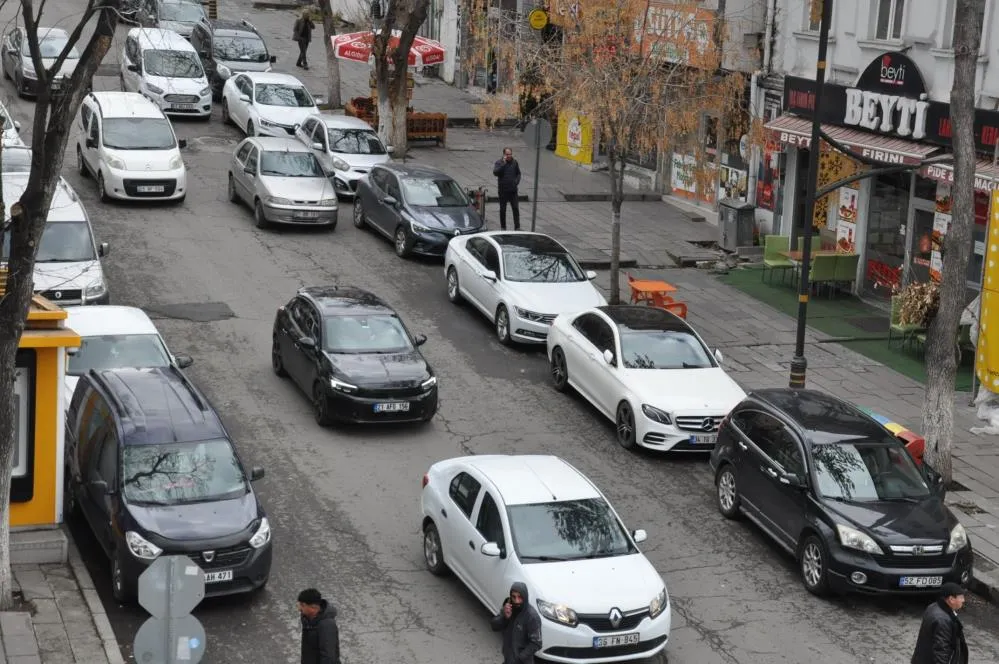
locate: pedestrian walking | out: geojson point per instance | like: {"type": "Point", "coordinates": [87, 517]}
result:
{"type": "Point", "coordinates": [941, 634]}
{"type": "Point", "coordinates": [320, 634]}
{"type": "Point", "coordinates": [521, 627]}
{"type": "Point", "coordinates": [507, 172]}
{"type": "Point", "coordinates": [302, 33]}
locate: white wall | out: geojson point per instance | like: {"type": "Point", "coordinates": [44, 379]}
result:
{"type": "Point", "coordinates": [353, 10]}
{"type": "Point", "coordinates": [744, 27]}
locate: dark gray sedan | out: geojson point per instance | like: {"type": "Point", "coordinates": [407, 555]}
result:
{"type": "Point", "coordinates": [419, 208]}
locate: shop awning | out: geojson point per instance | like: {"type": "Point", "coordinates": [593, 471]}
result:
{"type": "Point", "coordinates": [792, 130]}
{"type": "Point", "coordinates": [986, 174]}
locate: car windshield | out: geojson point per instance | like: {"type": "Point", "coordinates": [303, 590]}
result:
{"type": "Point", "coordinates": [381, 333]}
{"type": "Point", "coordinates": [433, 192]}
{"type": "Point", "coordinates": [567, 530]}
{"type": "Point", "coordinates": [279, 94]}
{"type": "Point", "coordinates": [176, 473]}
{"type": "Point", "coordinates": [867, 471]}
{"type": "Point", "coordinates": [15, 160]}
{"type": "Point", "coordinates": [62, 242]}
{"type": "Point", "coordinates": [355, 141]}
{"type": "Point", "coordinates": [172, 64]}
{"type": "Point", "coordinates": [540, 267]}
{"type": "Point", "coordinates": [52, 47]}
{"type": "Point", "coordinates": [118, 351]}
{"type": "Point", "coordinates": [291, 165]}
{"type": "Point", "coordinates": [182, 12]}
{"type": "Point", "coordinates": [138, 134]}
{"type": "Point", "coordinates": [663, 349]}
{"type": "Point", "coordinates": [247, 49]}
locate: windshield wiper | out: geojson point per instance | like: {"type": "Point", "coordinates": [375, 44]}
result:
{"type": "Point", "coordinates": [546, 559]}
{"type": "Point", "coordinates": [688, 365]}
{"type": "Point", "coordinates": [601, 554]}
{"type": "Point", "coordinates": [151, 503]}
{"type": "Point", "coordinates": [901, 499]}
{"type": "Point", "coordinates": [62, 260]}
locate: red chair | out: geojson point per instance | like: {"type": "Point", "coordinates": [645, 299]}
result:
{"type": "Point", "coordinates": [678, 308]}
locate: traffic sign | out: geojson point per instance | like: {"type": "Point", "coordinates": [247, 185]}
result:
{"type": "Point", "coordinates": [170, 641]}
{"type": "Point", "coordinates": [171, 586]}
{"type": "Point", "coordinates": [538, 133]}
{"type": "Point", "coordinates": [538, 18]}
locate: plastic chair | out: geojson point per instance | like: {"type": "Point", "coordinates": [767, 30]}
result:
{"type": "Point", "coordinates": [660, 300]}
{"type": "Point", "coordinates": [823, 270]}
{"type": "Point", "coordinates": [907, 332]}
{"type": "Point", "coordinates": [816, 244]}
{"type": "Point", "coordinates": [773, 245]}
{"type": "Point", "coordinates": [846, 268]}
{"type": "Point", "coordinates": [678, 308]}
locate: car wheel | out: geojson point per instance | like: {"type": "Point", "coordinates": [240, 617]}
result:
{"type": "Point", "coordinates": [503, 325]}
{"type": "Point", "coordinates": [233, 196]}
{"type": "Point", "coordinates": [433, 552]}
{"type": "Point", "coordinates": [258, 215]}
{"type": "Point", "coordinates": [119, 586]}
{"type": "Point", "coordinates": [453, 289]}
{"type": "Point", "coordinates": [70, 506]}
{"type": "Point", "coordinates": [321, 406]}
{"type": "Point", "coordinates": [19, 85]}
{"type": "Point", "coordinates": [727, 492]}
{"type": "Point", "coordinates": [81, 166]}
{"type": "Point", "coordinates": [359, 220]}
{"type": "Point", "coordinates": [121, 83]}
{"type": "Point", "coordinates": [250, 129]}
{"type": "Point", "coordinates": [102, 192]}
{"type": "Point", "coordinates": [625, 425]}
{"type": "Point", "coordinates": [559, 370]}
{"type": "Point", "coordinates": [276, 362]}
{"type": "Point", "coordinates": [812, 559]}
{"type": "Point", "coordinates": [401, 242]}
{"type": "Point", "coordinates": [225, 112]}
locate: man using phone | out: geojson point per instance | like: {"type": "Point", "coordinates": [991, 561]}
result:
{"type": "Point", "coordinates": [521, 627]}
{"type": "Point", "coordinates": [507, 172]}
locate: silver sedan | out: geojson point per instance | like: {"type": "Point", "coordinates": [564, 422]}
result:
{"type": "Point", "coordinates": [283, 182]}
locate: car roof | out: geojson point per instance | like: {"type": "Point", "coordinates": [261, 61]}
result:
{"type": "Point", "coordinates": [523, 241]}
{"type": "Point", "coordinates": [45, 33]}
{"type": "Point", "coordinates": [227, 27]}
{"type": "Point", "coordinates": [159, 38]}
{"type": "Point", "coordinates": [525, 479]}
{"type": "Point", "coordinates": [640, 317]}
{"type": "Point", "coordinates": [158, 406]}
{"type": "Point", "coordinates": [342, 121]}
{"type": "Point", "coordinates": [334, 300]}
{"type": "Point", "coordinates": [117, 104]}
{"type": "Point", "coordinates": [98, 320]}
{"type": "Point", "coordinates": [66, 205]}
{"type": "Point", "coordinates": [275, 143]}
{"type": "Point", "coordinates": [823, 417]}
{"type": "Point", "coordinates": [271, 77]}
{"type": "Point", "coordinates": [413, 170]}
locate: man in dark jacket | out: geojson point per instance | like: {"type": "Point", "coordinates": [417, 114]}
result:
{"type": "Point", "coordinates": [941, 635]}
{"type": "Point", "coordinates": [302, 33]}
{"type": "Point", "coordinates": [507, 172]}
{"type": "Point", "coordinates": [320, 634]}
{"type": "Point", "coordinates": [521, 627]}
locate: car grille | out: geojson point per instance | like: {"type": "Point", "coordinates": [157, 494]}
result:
{"type": "Point", "coordinates": [945, 561]}
{"type": "Point", "coordinates": [391, 392]}
{"type": "Point", "coordinates": [305, 202]}
{"type": "Point", "coordinates": [58, 296]}
{"type": "Point", "coordinates": [132, 187]}
{"type": "Point", "coordinates": [182, 99]}
{"type": "Point", "coordinates": [696, 422]}
{"type": "Point", "coordinates": [601, 622]}
{"type": "Point", "coordinates": [224, 558]}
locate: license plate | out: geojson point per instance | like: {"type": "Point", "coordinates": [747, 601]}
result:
{"type": "Point", "coordinates": [394, 407]}
{"type": "Point", "coordinates": [307, 214]}
{"type": "Point", "coordinates": [920, 581]}
{"type": "Point", "coordinates": [704, 439]}
{"type": "Point", "coordinates": [216, 577]}
{"type": "Point", "coordinates": [183, 107]}
{"type": "Point", "coordinates": [150, 189]}
{"type": "Point", "coordinates": [618, 640]}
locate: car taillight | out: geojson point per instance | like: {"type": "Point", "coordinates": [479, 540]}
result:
{"type": "Point", "coordinates": [426, 480]}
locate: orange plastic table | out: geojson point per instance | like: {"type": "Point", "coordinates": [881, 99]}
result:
{"type": "Point", "coordinates": [643, 289]}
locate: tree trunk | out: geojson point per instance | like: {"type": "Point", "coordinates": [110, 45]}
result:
{"type": "Point", "coordinates": [941, 347]}
{"type": "Point", "coordinates": [333, 95]}
{"type": "Point", "coordinates": [616, 182]}
{"type": "Point", "coordinates": [398, 135]}
{"type": "Point", "coordinates": [382, 70]}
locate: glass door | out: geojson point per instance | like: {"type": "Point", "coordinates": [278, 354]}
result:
{"type": "Point", "coordinates": [886, 233]}
{"type": "Point", "coordinates": [926, 242]}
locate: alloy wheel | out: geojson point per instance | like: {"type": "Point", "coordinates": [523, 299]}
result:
{"type": "Point", "coordinates": [258, 215]}
{"type": "Point", "coordinates": [433, 552]}
{"type": "Point", "coordinates": [401, 242]}
{"type": "Point", "coordinates": [625, 425]}
{"type": "Point", "coordinates": [813, 565]}
{"type": "Point", "coordinates": [320, 406]}
{"type": "Point", "coordinates": [117, 581]}
{"type": "Point", "coordinates": [453, 291]}
{"type": "Point", "coordinates": [503, 325]}
{"type": "Point", "coordinates": [102, 191]}
{"type": "Point", "coordinates": [276, 362]}
{"type": "Point", "coordinates": [358, 213]}
{"type": "Point", "coordinates": [728, 494]}
{"type": "Point", "coordinates": [559, 370]}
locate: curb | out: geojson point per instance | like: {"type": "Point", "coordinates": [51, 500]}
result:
{"type": "Point", "coordinates": [985, 582]}
{"type": "Point", "coordinates": [100, 617]}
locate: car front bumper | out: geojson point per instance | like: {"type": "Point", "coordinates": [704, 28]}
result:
{"type": "Point", "coordinates": [434, 243]}
{"type": "Point", "coordinates": [277, 131]}
{"type": "Point", "coordinates": [562, 643]}
{"type": "Point", "coordinates": [884, 573]}
{"type": "Point", "coordinates": [360, 408]}
{"type": "Point", "coordinates": [654, 435]}
{"type": "Point", "coordinates": [251, 568]}
{"type": "Point", "coordinates": [345, 182]}
{"type": "Point", "coordinates": [145, 185]}
{"type": "Point", "coordinates": [528, 330]}
{"type": "Point", "coordinates": [300, 215]}
{"type": "Point", "coordinates": [192, 105]}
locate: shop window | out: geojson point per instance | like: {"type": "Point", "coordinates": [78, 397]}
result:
{"type": "Point", "coordinates": [889, 25]}
{"type": "Point", "coordinates": [22, 477]}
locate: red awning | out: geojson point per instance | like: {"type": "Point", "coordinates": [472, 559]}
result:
{"type": "Point", "coordinates": [986, 174]}
{"type": "Point", "coordinates": [792, 130]}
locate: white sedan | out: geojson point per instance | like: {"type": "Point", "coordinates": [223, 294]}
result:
{"type": "Point", "coordinates": [266, 104]}
{"type": "Point", "coordinates": [494, 520]}
{"type": "Point", "coordinates": [648, 371]}
{"type": "Point", "coordinates": [520, 281]}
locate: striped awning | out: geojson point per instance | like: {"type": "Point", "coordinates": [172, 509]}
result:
{"type": "Point", "coordinates": [792, 130]}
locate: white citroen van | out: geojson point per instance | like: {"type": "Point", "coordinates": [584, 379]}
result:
{"type": "Point", "coordinates": [163, 67]}
{"type": "Point", "coordinates": [130, 148]}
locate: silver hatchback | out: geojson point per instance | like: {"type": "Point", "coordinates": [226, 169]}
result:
{"type": "Point", "coordinates": [283, 182]}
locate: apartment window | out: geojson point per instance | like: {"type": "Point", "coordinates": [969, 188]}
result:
{"type": "Point", "coordinates": [890, 19]}
{"type": "Point", "coordinates": [813, 15]}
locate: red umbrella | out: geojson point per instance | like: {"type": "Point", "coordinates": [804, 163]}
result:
{"type": "Point", "coordinates": [357, 46]}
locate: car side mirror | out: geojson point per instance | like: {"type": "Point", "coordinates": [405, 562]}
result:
{"type": "Point", "coordinates": [249, 170]}
{"type": "Point", "coordinates": [935, 480]}
{"type": "Point", "coordinates": [184, 361]}
{"type": "Point", "coordinates": [390, 200]}
{"type": "Point", "coordinates": [101, 487]}
{"type": "Point", "coordinates": [103, 249]}
{"type": "Point", "coordinates": [244, 98]}
{"type": "Point", "coordinates": [390, 149]}
{"type": "Point", "coordinates": [307, 342]}
{"type": "Point", "coordinates": [489, 275]}
{"type": "Point", "coordinates": [17, 125]}
{"type": "Point", "coordinates": [318, 146]}
{"type": "Point", "coordinates": [719, 356]}
{"type": "Point", "coordinates": [608, 357]}
{"type": "Point", "coordinates": [134, 68]}
{"type": "Point", "coordinates": [490, 549]}
{"type": "Point", "coordinates": [182, 143]}
{"type": "Point", "coordinates": [591, 275]}
{"type": "Point", "coordinates": [639, 536]}
{"type": "Point", "coordinates": [91, 143]}
{"type": "Point", "coordinates": [256, 473]}
{"type": "Point", "coordinates": [420, 339]}
{"type": "Point", "coordinates": [273, 59]}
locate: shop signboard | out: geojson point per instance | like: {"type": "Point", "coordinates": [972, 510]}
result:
{"type": "Point", "coordinates": [575, 138]}
{"type": "Point", "coordinates": [676, 33]}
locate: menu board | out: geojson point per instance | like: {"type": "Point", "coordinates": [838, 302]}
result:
{"type": "Point", "coordinates": [846, 220]}
{"type": "Point", "coordinates": [941, 224]}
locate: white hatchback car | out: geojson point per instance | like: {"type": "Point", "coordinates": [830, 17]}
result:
{"type": "Point", "coordinates": [496, 519]}
{"type": "Point", "coordinates": [266, 104]}
{"type": "Point", "coordinates": [10, 129]}
{"type": "Point", "coordinates": [163, 67]}
{"type": "Point", "coordinates": [347, 147]}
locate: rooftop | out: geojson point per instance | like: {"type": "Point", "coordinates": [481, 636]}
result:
{"type": "Point", "coordinates": [529, 479]}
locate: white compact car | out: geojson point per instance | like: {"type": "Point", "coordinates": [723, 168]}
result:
{"type": "Point", "coordinates": [129, 146]}
{"type": "Point", "coordinates": [266, 104]}
{"type": "Point", "coordinates": [10, 129]}
{"type": "Point", "coordinates": [164, 68]}
{"type": "Point", "coordinates": [520, 281]}
{"type": "Point", "coordinates": [648, 371]}
{"type": "Point", "coordinates": [497, 519]}
{"type": "Point", "coordinates": [347, 147]}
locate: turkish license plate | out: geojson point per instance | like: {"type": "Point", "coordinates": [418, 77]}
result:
{"type": "Point", "coordinates": [617, 640]}
{"type": "Point", "coordinates": [219, 576]}
{"type": "Point", "coordinates": [307, 214]}
{"type": "Point", "coordinates": [920, 581]}
{"type": "Point", "coordinates": [182, 107]}
{"type": "Point", "coordinates": [394, 407]}
{"type": "Point", "coordinates": [704, 439]}
{"type": "Point", "coordinates": [150, 189]}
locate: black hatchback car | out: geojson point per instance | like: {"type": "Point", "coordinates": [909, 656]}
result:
{"type": "Point", "coordinates": [352, 354]}
{"type": "Point", "coordinates": [840, 492]}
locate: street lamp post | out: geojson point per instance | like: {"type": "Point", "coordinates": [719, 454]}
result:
{"type": "Point", "coordinates": [799, 365]}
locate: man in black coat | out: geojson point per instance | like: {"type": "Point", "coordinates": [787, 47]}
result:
{"type": "Point", "coordinates": [521, 627]}
{"type": "Point", "coordinates": [320, 634]}
{"type": "Point", "coordinates": [507, 172]}
{"type": "Point", "coordinates": [302, 33]}
{"type": "Point", "coordinates": [941, 635]}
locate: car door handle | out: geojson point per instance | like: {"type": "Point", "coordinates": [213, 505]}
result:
{"type": "Point", "coordinates": [471, 545]}
{"type": "Point", "coordinates": [770, 471]}
{"type": "Point", "coordinates": [444, 513]}
{"type": "Point", "coordinates": [743, 446]}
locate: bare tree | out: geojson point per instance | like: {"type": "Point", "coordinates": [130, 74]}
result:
{"type": "Point", "coordinates": [50, 131]}
{"type": "Point", "coordinates": [333, 96]}
{"type": "Point", "coordinates": [392, 68]}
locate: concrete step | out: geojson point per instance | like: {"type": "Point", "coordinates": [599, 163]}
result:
{"type": "Point", "coordinates": [38, 546]}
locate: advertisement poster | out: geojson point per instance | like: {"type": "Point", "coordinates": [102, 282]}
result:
{"type": "Point", "coordinates": [846, 220]}
{"type": "Point", "coordinates": [768, 179]}
{"type": "Point", "coordinates": [941, 224]}
{"type": "Point", "coordinates": [575, 138]}
{"type": "Point", "coordinates": [733, 184]}
{"type": "Point", "coordinates": [683, 175]}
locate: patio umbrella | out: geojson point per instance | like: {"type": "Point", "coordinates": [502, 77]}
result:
{"type": "Point", "coordinates": [358, 46]}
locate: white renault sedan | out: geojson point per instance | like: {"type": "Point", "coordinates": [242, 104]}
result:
{"type": "Point", "coordinates": [648, 371]}
{"type": "Point", "coordinates": [520, 281]}
{"type": "Point", "coordinates": [496, 519]}
{"type": "Point", "coordinates": [266, 103]}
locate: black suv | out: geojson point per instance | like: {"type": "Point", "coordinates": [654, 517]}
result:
{"type": "Point", "coordinates": [840, 492]}
{"type": "Point", "coordinates": [154, 472]}
{"type": "Point", "coordinates": [226, 47]}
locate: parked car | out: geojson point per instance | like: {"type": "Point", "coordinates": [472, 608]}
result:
{"type": "Point", "coordinates": [418, 208]}
{"type": "Point", "coordinates": [155, 473]}
{"type": "Point", "coordinates": [19, 68]}
{"type": "Point", "coordinates": [283, 182]}
{"type": "Point", "coordinates": [16, 159]}
{"type": "Point", "coordinates": [266, 104]}
{"type": "Point", "coordinates": [164, 68]}
{"type": "Point", "coordinates": [646, 370]}
{"type": "Point", "coordinates": [178, 15]}
{"type": "Point", "coordinates": [347, 147]}
{"type": "Point", "coordinates": [497, 519]}
{"type": "Point", "coordinates": [10, 129]}
{"type": "Point", "coordinates": [227, 47]}
{"type": "Point", "coordinates": [353, 356]}
{"type": "Point", "coordinates": [519, 281]}
{"type": "Point", "coordinates": [840, 493]}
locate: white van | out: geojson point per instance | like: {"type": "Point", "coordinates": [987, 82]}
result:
{"type": "Point", "coordinates": [129, 146]}
{"type": "Point", "coordinates": [163, 67]}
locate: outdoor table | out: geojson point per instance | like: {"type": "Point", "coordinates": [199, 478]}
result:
{"type": "Point", "coordinates": [642, 290]}
{"type": "Point", "coordinates": [797, 255]}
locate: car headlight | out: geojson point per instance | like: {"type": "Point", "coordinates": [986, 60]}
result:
{"type": "Point", "coordinates": [656, 415]}
{"type": "Point", "coordinates": [263, 534]}
{"type": "Point", "coordinates": [277, 200]}
{"type": "Point", "coordinates": [852, 538]}
{"type": "Point", "coordinates": [28, 71]}
{"type": "Point", "coordinates": [141, 547]}
{"type": "Point", "coordinates": [428, 383]}
{"type": "Point", "coordinates": [958, 539]}
{"type": "Point", "coordinates": [176, 162]}
{"type": "Point", "coordinates": [418, 228]}
{"type": "Point", "coordinates": [224, 71]}
{"type": "Point", "coordinates": [341, 386]}
{"type": "Point", "coordinates": [658, 604]}
{"type": "Point", "coordinates": [340, 164]}
{"type": "Point", "coordinates": [534, 316]}
{"type": "Point", "coordinates": [207, 91]}
{"type": "Point", "coordinates": [94, 291]}
{"type": "Point", "coordinates": [559, 613]}
{"type": "Point", "coordinates": [152, 88]}
{"type": "Point", "coordinates": [268, 123]}
{"type": "Point", "coordinates": [328, 202]}
{"type": "Point", "coordinates": [116, 162]}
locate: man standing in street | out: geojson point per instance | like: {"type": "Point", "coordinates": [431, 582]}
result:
{"type": "Point", "coordinates": [507, 172]}
{"type": "Point", "coordinates": [521, 627]}
{"type": "Point", "coordinates": [302, 33]}
{"type": "Point", "coordinates": [941, 635]}
{"type": "Point", "coordinates": [320, 634]}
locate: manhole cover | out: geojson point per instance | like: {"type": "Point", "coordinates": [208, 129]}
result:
{"type": "Point", "coordinates": [196, 312]}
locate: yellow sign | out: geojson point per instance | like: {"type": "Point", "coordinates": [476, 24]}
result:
{"type": "Point", "coordinates": [575, 138]}
{"type": "Point", "coordinates": [987, 354]}
{"type": "Point", "coordinates": [538, 18]}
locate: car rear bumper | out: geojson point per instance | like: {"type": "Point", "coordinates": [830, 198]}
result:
{"type": "Point", "coordinates": [883, 577]}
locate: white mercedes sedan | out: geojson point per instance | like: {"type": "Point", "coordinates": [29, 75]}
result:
{"type": "Point", "coordinates": [520, 281]}
{"type": "Point", "coordinates": [648, 371]}
{"type": "Point", "coordinates": [495, 519]}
